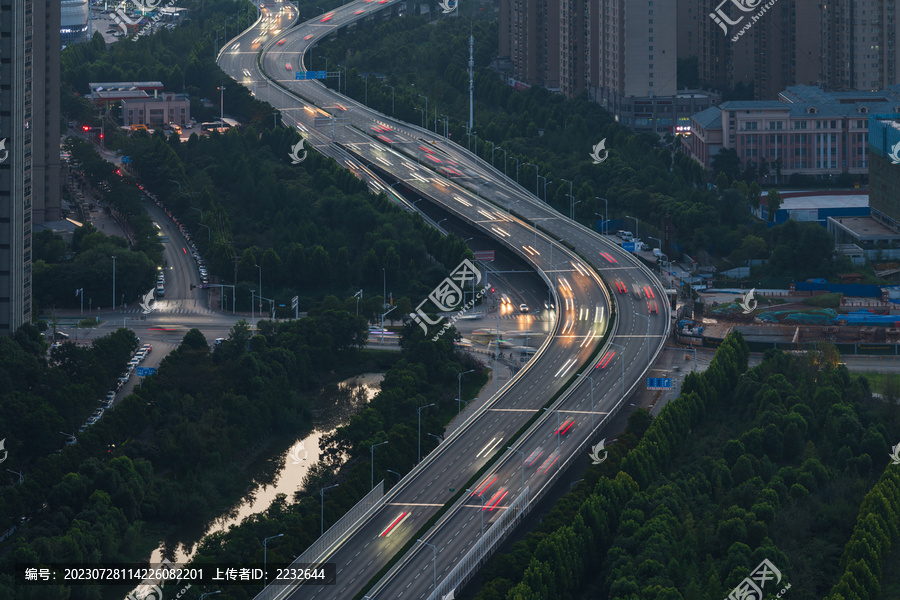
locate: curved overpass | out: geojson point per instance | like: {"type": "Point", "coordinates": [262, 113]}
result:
{"type": "Point", "coordinates": [347, 131]}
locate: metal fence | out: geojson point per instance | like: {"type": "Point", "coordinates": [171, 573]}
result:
{"type": "Point", "coordinates": [483, 549]}
{"type": "Point", "coordinates": [321, 546]}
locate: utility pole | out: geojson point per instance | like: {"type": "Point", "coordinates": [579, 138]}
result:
{"type": "Point", "coordinates": [471, 79]}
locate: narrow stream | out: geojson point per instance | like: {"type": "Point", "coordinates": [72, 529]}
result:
{"type": "Point", "coordinates": [303, 453]}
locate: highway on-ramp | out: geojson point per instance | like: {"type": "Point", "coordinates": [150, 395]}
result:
{"type": "Point", "coordinates": [380, 149]}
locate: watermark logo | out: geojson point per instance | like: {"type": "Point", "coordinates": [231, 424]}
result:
{"type": "Point", "coordinates": [294, 155]}
{"type": "Point", "coordinates": [449, 6]}
{"type": "Point", "coordinates": [146, 592]}
{"type": "Point", "coordinates": [895, 454]}
{"type": "Point", "coordinates": [748, 302]}
{"type": "Point", "coordinates": [751, 588]}
{"type": "Point", "coordinates": [596, 450]}
{"type": "Point", "coordinates": [295, 454]}
{"type": "Point", "coordinates": [746, 6]}
{"type": "Point", "coordinates": [448, 295]}
{"type": "Point", "coordinates": [4, 153]}
{"type": "Point", "coordinates": [147, 4]}
{"type": "Point", "coordinates": [5, 451]}
{"type": "Point", "coordinates": [595, 154]}
{"type": "Point", "coordinates": [894, 155]}
{"type": "Point", "coordinates": [145, 303]}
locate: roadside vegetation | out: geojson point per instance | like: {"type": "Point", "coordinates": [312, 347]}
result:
{"type": "Point", "coordinates": [406, 59]}
{"type": "Point", "coordinates": [788, 461]}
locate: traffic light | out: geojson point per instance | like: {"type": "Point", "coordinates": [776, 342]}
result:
{"type": "Point", "coordinates": [492, 290]}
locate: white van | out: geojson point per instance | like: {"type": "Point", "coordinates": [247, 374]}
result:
{"type": "Point", "coordinates": [626, 236]}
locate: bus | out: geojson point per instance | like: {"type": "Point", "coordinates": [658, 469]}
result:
{"type": "Point", "coordinates": [207, 127]}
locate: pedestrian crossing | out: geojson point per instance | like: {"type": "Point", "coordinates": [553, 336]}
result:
{"type": "Point", "coordinates": [170, 311]}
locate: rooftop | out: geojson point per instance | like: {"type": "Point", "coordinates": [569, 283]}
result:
{"type": "Point", "coordinates": [865, 227]}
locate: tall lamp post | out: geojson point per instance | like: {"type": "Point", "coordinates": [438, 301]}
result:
{"type": "Point", "coordinates": [606, 219]}
{"type": "Point", "coordinates": [322, 493]}
{"type": "Point", "coordinates": [648, 334]}
{"type": "Point", "coordinates": [523, 464]}
{"type": "Point", "coordinates": [221, 106]}
{"type": "Point", "coordinates": [434, 561]}
{"type": "Point", "coordinates": [420, 430]}
{"type": "Point", "coordinates": [459, 391]}
{"type": "Point", "coordinates": [623, 365]}
{"type": "Point", "coordinates": [425, 114]}
{"type": "Point", "coordinates": [114, 283]}
{"type": "Point", "coordinates": [260, 288]}
{"type": "Point", "coordinates": [373, 460]}
{"type": "Point", "coordinates": [392, 97]}
{"type": "Point", "coordinates": [557, 429]}
{"type": "Point", "coordinates": [636, 233]}
{"type": "Point", "coordinates": [252, 322]}
{"type": "Point", "coordinates": [266, 557]}
{"type": "Point", "coordinates": [592, 398]}
{"type": "Point", "coordinates": [482, 517]}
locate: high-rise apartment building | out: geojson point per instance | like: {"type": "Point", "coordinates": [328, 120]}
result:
{"type": "Point", "coordinates": [29, 129]}
{"type": "Point", "coordinates": [859, 44]}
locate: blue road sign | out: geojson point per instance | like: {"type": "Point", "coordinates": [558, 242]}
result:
{"type": "Point", "coordinates": [145, 371]}
{"type": "Point", "coordinates": [310, 75]}
{"type": "Point", "coordinates": [659, 383]}
{"type": "Point", "coordinates": [629, 246]}
{"type": "Point", "coordinates": [126, 160]}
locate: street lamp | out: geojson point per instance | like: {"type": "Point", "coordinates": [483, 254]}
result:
{"type": "Point", "coordinates": [439, 440]}
{"type": "Point", "coordinates": [392, 97]}
{"type": "Point", "coordinates": [606, 219]}
{"type": "Point", "coordinates": [420, 430]}
{"type": "Point", "coordinates": [557, 430]}
{"type": "Point", "coordinates": [536, 176]}
{"type": "Point", "coordinates": [482, 513]}
{"type": "Point", "coordinates": [623, 365]}
{"type": "Point", "coordinates": [114, 283]}
{"type": "Point", "coordinates": [571, 199]}
{"type": "Point", "coordinates": [523, 464]}
{"type": "Point", "coordinates": [636, 235]}
{"type": "Point", "coordinates": [648, 334]}
{"type": "Point", "coordinates": [208, 233]}
{"type": "Point", "coordinates": [266, 556]}
{"type": "Point", "coordinates": [399, 476]}
{"type": "Point", "coordinates": [423, 115]}
{"type": "Point", "coordinates": [434, 561]}
{"type": "Point", "coordinates": [426, 105]}
{"type": "Point", "coordinates": [260, 288]}
{"type": "Point", "coordinates": [322, 493]}
{"type": "Point", "coordinates": [191, 207]}
{"type": "Point", "coordinates": [221, 89]}
{"type": "Point", "coordinates": [252, 322]}
{"type": "Point", "coordinates": [592, 397]}
{"type": "Point", "coordinates": [373, 461]}
{"type": "Point", "coordinates": [459, 391]}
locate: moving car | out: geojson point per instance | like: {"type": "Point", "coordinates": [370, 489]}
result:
{"type": "Point", "coordinates": [288, 66]}
{"type": "Point", "coordinates": [280, 43]}
{"type": "Point", "coordinates": [523, 308]}
{"type": "Point", "coordinates": [652, 307]}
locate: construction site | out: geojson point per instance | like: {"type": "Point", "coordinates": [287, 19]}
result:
{"type": "Point", "coordinates": [796, 319]}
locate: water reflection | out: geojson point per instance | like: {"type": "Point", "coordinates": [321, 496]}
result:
{"type": "Point", "coordinates": [284, 473]}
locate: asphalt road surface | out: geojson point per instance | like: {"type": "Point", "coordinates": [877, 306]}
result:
{"type": "Point", "coordinates": [369, 143]}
